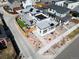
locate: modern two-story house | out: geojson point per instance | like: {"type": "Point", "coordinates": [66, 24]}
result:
{"type": "Point", "coordinates": [46, 25]}
{"type": "Point", "coordinates": [58, 10]}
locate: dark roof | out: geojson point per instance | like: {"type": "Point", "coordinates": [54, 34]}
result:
{"type": "Point", "coordinates": [59, 9]}
{"type": "Point", "coordinates": [11, 1]}
{"type": "Point", "coordinates": [66, 18]}
{"type": "Point", "coordinates": [76, 9]}
{"type": "Point", "coordinates": [41, 17]}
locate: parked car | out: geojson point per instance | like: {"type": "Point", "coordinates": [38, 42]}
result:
{"type": "Point", "coordinates": [3, 44]}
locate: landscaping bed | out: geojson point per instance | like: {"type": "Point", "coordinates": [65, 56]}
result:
{"type": "Point", "coordinates": [75, 21]}
{"type": "Point", "coordinates": [9, 10]}
{"type": "Point", "coordinates": [74, 33]}
{"type": "Point", "coordinates": [21, 23]}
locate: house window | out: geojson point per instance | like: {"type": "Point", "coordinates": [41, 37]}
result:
{"type": "Point", "coordinates": [40, 31]}
{"type": "Point", "coordinates": [45, 31]}
{"type": "Point", "coordinates": [50, 9]}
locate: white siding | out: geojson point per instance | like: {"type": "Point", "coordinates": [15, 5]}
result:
{"type": "Point", "coordinates": [73, 5]}
{"type": "Point", "coordinates": [61, 15]}
{"type": "Point", "coordinates": [48, 31]}
{"type": "Point", "coordinates": [60, 3]}
{"type": "Point", "coordinates": [52, 11]}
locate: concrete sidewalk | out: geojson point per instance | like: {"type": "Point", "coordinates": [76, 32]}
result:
{"type": "Point", "coordinates": [72, 51]}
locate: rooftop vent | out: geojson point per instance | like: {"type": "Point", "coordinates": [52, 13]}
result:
{"type": "Point", "coordinates": [31, 9]}
{"type": "Point", "coordinates": [38, 11]}
{"type": "Point", "coordinates": [51, 24]}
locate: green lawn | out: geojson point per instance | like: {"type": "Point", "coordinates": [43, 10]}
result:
{"type": "Point", "coordinates": [21, 23]}
{"type": "Point", "coordinates": [74, 33]}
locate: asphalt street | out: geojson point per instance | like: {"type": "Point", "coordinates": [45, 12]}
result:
{"type": "Point", "coordinates": [71, 52]}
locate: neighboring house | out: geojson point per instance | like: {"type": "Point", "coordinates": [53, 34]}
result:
{"type": "Point", "coordinates": [73, 5]}
{"type": "Point", "coordinates": [27, 3]}
{"type": "Point", "coordinates": [58, 10]}
{"type": "Point", "coordinates": [63, 3]}
{"type": "Point", "coordinates": [66, 3]}
{"type": "Point", "coordinates": [30, 20]}
{"type": "Point", "coordinates": [49, 0]}
{"type": "Point", "coordinates": [76, 9]}
{"type": "Point", "coordinates": [60, 3]}
{"type": "Point", "coordinates": [14, 4]}
{"type": "Point", "coordinates": [28, 15]}
{"type": "Point", "coordinates": [59, 13]}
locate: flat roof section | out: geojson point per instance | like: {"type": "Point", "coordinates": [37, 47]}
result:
{"type": "Point", "coordinates": [46, 23]}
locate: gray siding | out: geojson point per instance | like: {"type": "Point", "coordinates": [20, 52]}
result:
{"type": "Point", "coordinates": [57, 0]}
